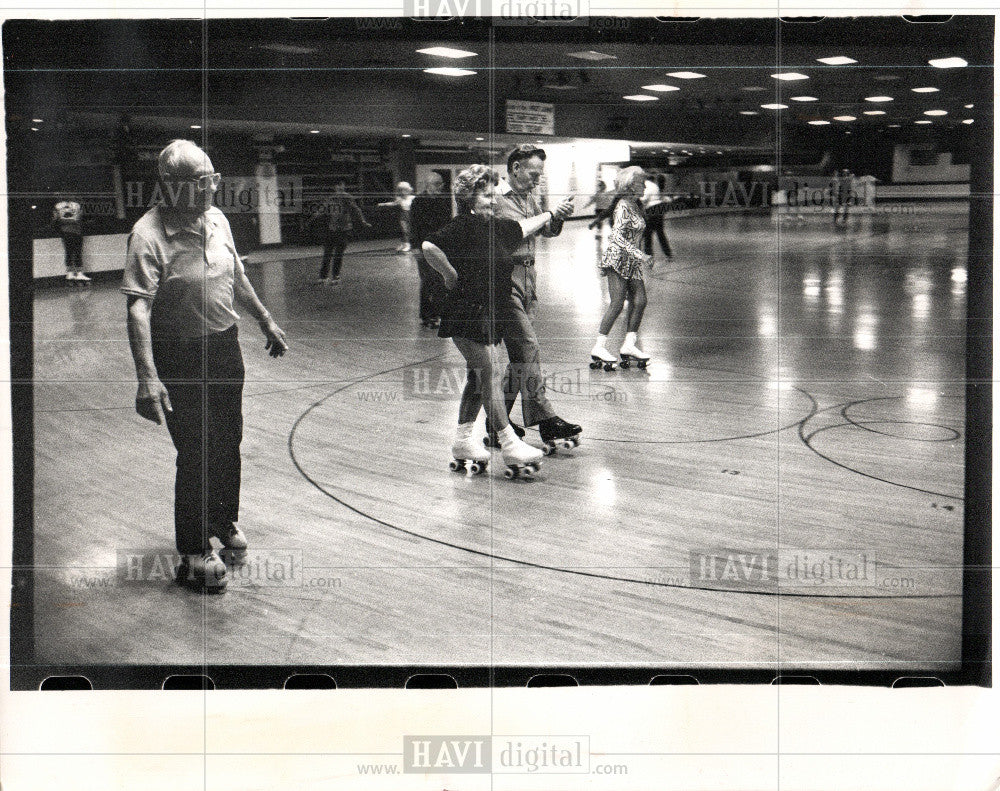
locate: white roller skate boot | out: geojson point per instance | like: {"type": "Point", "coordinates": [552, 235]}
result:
{"type": "Point", "coordinates": [520, 459]}
{"type": "Point", "coordinates": [600, 357]}
{"type": "Point", "coordinates": [466, 453]}
{"type": "Point", "coordinates": [630, 352]}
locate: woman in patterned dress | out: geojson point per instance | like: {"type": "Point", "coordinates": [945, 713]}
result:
{"type": "Point", "coordinates": [622, 264]}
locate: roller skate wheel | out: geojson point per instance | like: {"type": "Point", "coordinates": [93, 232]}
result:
{"type": "Point", "coordinates": [549, 448]}
{"type": "Point", "coordinates": [456, 466]}
{"type": "Point", "coordinates": [642, 363]}
{"type": "Point", "coordinates": [477, 467]}
{"type": "Point", "coordinates": [609, 366]}
{"type": "Point", "coordinates": [625, 363]}
{"type": "Point", "coordinates": [510, 473]}
{"type": "Point", "coordinates": [594, 364]}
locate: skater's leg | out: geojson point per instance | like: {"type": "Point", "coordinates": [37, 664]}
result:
{"type": "Point", "coordinates": [617, 291]}
{"type": "Point", "coordinates": [339, 245]}
{"type": "Point", "coordinates": [324, 269]}
{"type": "Point", "coordinates": [224, 427]}
{"type": "Point", "coordinates": [664, 244]}
{"type": "Point", "coordinates": [636, 304]}
{"type": "Point", "coordinates": [524, 375]}
{"type": "Point", "coordinates": [482, 385]}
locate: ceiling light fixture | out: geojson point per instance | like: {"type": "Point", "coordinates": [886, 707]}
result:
{"type": "Point", "coordinates": [447, 52]}
{"type": "Point", "coordinates": [969, 121]}
{"type": "Point", "coordinates": [641, 97]}
{"type": "Point", "coordinates": [661, 88]}
{"type": "Point", "coordinates": [925, 90]}
{"type": "Point", "coordinates": [775, 106]}
{"type": "Point", "coordinates": [874, 112]}
{"type": "Point", "coordinates": [686, 75]}
{"type": "Point", "coordinates": [790, 76]}
{"type": "Point", "coordinates": [878, 99]}
{"type": "Point", "coordinates": [948, 63]}
{"type": "Point", "coordinates": [844, 118]}
{"type": "Point", "coordinates": [923, 122]}
{"type": "Point", "coordinates": [449, 71]}
{"type": "Point", "coordinates": [935, 112]}
{"type": "Point", "coordinates": [839, 60]}
{"type": "Point", "coordinates": [590, 54]}
{"type": "Point", "coordinates": [819, 123]}
{"type": "Point", "coordinates": [804, 99]}
{"type": "Point", "coordinates": [749, 112]}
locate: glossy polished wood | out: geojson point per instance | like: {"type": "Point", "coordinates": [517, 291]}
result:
{"type": "Point", "coordinates": [805, 397]}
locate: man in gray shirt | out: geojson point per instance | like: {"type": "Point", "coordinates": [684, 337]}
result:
{"type": "Point", "coordinates": [182, 277]}
{"type": "Point", "coordinates": [516, 200]}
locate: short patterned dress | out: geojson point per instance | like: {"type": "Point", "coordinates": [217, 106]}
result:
{"type": "Point", "coordinates": [624, 254]}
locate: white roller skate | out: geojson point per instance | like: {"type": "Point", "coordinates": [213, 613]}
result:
{"type": "Point", "coordinates": [468, 454]}
{"type": "Point", "coordinates": [630, 352]}
{"type": "Point", "coordinates": [600, 357]}
{"type": "Point", "coordinates": [520, 459]}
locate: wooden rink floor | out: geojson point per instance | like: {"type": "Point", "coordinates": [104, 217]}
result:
{"type": "Point", "coordinates": [805, 400]}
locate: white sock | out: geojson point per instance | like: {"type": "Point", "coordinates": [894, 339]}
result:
{"type": "Point", "coordinates": [464, 431]}
{"type": "Point", "coordinates": [507, 436]}
{"type": "Point", "coordinates": [602, 341]}
{"type": "Point", "coordinates": [630, 338]}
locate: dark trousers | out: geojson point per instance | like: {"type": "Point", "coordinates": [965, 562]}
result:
{"type": "Point", "coordinates": [204, 378]}
{"type": "Point", "coordinates": [431, 288]}
{"type": "Point", "coordinates": [654, 224]}
{"type": "Point", "coordinates": [73, 245]}
{"type": "Point", "coordinates": [333, 248]}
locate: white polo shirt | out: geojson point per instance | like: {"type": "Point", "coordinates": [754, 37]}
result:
{"type": "Point", "coordinates": [187, 271]}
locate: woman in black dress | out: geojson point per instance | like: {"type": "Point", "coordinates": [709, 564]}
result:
{"type": "Point", "coordinates": [472, 254]}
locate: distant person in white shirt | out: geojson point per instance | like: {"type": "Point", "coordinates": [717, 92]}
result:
{"type": "Point", "coordinates": [67, 216]}
{"type": "Point", "coordinates": [653, 207]}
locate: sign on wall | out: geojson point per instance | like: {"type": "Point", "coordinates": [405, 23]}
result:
{"type": "Point", "coordinates": [530, 118]}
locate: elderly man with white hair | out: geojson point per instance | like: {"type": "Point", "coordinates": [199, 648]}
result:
{"type": "Point", "coordinates": [182, 278]}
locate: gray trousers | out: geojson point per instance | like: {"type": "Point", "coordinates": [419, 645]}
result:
{"type": "Point", "coordinates": [524, 373]}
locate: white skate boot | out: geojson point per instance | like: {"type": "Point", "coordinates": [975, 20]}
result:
{"type": "Point", "coordinates": [468, 454]}
{"type": "Point", "coordinates": [600, 357]}
{"type": "Point", "coordinates": [521, 460]}
{"type": "Point", "coordinates": [630, 352]}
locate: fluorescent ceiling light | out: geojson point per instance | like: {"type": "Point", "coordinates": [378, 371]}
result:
{"type": "Point", "coordinates": [42, 120]}
{"type": "Point", "coordinates": [590, 54]}
{"type": "Point", "coordinates": [923, 122]}
{"type": "Point", "coordinates": [969, 121]}
{"type": "Point", "coordinates": [196, 126]}
{"type": "Point", "coordinates": [314, 131]}
{"type": "Point", "coordinates": [948, 63]}
{"type": "Point", "coordinates": [753, 88]}
{"type": "Point", "coordinates": [819, 123]}
{"type": "Point", "coordinates": [894, 126]}
{"type": "Point", "coordinates": [641, 97]}
{"type": "Point", "coordinates": [878, 98]}
{"type": "Point", "coordinates": [935, 112]}
{"type": "Point", "coordinates": [34, 129]}
{"type": "Point", "coordinates": [447, 52]}
{"type": "Point", "coordinates": [480, 138]}
{"type": "Point", "coordinates": [839, 60]}
{"type": "Point", "coordinates": [686, 75]}
{"type": "Point", "coordinates": [844, 118]}
{"type": "Point", "coordinates": [790, 75]}
{"type": "Point", "coordinates": [775, 106]}
{"type": "Point", "coordinates": [660, 87]}
{"type": "Point", "coordinates": [969, 106]}
{"type": "Point", "coordinates": [804, 99]}
{"type": "Point", "coordinates": [925, 90]}
{"type": "Point", "coordinates": [406, 135]}
{"type": "Point", "coordinates": [289, 49]}
{"type": "Point", "coordinates": [449, 71]}
{"type": "Point", "coordinates": [874, 112]}
{"type": "Point", "coordinates": [749, 112]}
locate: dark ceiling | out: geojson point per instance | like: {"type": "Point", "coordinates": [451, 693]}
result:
{"type": "Point", "coordinates": [166, 67]}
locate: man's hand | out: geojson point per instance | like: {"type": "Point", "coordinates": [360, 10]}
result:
{"type": "Point", "coordinates": [151, 400]}
{"type": "Point", "coordinates": [564, 209]}
{"type": "Point", "coordinates": [276, 344]}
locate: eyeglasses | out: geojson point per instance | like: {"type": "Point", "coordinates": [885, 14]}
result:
{"type": "Point", "coordinates": [209, 180]}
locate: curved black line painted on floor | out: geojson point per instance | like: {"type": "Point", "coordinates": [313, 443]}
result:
{"type": "Point", "coordinates": [845, 412]}
{"type": "Point", "coordinates": [542, 566]}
